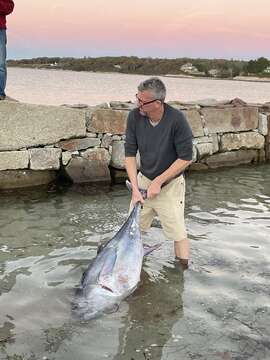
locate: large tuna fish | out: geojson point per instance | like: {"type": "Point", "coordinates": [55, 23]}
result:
{"type": "Point", "coordinates": [115, 272]}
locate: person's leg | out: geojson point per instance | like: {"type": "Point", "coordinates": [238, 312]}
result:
{"type": "Point", "coordinates": [170, 210]}
{"type": "Point", "coordinates": [3, 68]}
{"type": "Point", "coordinates": [181, 249]}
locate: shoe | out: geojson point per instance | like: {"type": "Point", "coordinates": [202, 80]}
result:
{"type": "Point", "coordinates": [8, 98]}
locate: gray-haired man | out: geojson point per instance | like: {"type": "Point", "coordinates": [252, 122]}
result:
{"type": "Point", "coordinates": [163, 138]}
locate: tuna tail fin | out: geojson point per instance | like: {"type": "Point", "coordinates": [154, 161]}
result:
{"type": "Point", "coordinates": [148, 249]}
{"type": "Point", "coordinates": [142, 191]}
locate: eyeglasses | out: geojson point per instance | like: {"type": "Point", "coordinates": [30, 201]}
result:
{"type": "Point", "coordinates": [142, 103]}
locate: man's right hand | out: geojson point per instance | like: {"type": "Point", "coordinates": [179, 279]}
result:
{"type": "Point", "coordinates": [137, 197]}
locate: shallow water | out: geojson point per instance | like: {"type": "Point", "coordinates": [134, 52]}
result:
{"type": "Point", "coordinates": [218, 309]}
{"type": "Point", "coordinates": [57, 87]}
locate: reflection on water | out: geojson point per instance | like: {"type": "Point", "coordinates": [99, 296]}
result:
{"type": "Point", "coordinates": [218, 309]}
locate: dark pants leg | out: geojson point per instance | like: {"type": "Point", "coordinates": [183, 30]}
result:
{"type": "Point", "coordinates": [3, 68]}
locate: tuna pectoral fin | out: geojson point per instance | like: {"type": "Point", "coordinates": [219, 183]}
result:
{"type": "Point", "coordinates": [108, 262]}
{"type": "Point", "coordinates": [148, 249]}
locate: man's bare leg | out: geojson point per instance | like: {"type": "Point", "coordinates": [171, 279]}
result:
{"type": "Point", "coordinates": [181, 249]}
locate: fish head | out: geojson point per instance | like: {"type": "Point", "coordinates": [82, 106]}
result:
{"type": "Point", "coordinates": [93, 301]}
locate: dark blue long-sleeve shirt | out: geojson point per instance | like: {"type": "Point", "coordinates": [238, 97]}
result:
{"type": "Point", "coordinates": [159, 146]}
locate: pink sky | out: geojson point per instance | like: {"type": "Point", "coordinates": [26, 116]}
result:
{"type": "Point", "coordinates": [238, 29]}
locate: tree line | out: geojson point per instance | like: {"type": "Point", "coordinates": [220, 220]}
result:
{"type": "Point", "coordinates": [149, 66]}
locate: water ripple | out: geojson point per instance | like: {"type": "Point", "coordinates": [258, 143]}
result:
{"type": "Point", "coordinates": [217, 309]}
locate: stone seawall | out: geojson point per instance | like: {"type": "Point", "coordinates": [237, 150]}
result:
{"type": "Point", "coordinates": [86, 144]}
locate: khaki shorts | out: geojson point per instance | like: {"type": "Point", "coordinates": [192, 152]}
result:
{"type": "Point", "coordinates": [168, 205]}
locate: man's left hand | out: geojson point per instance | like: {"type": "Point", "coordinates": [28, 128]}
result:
{"type": "Point", "coordinates": [154, 189]}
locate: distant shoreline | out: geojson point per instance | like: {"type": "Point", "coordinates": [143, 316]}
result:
{"type": "Point", "coordinates": [237, 78]}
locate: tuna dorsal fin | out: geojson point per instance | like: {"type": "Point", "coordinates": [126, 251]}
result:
{"type": "Point", "coordinates": [148, 249]}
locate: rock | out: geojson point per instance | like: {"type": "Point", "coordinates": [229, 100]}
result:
{"type": "Point", "coordinates": [232, 158]}
{"type": "Point", "coordinates": [116, 137]}
{"type": "Point", "coordinates": [91, 135]}
{"type": "Point", "coordinates": [206, 145]}
{"type": "Point", "coordinates": [118, 155]}
{"type": "Point", "coordinates": [82, 170]}
{"type": "Point", "coordinates": [25, 178]}
{"type": "Point", "coordinates": [79, 144]}
{"type": "Point", "coordinates": [118, 176]}
{"type": "Point", "coordinates": [14, 160]}
{"type": "Point", "coordinates": [25, 126]}
{"type": "Point", "coordinates": [244, 140]}
{"type": "Point", "coordinates": [106, 141]}
{"type": "Point", "coordinates": [238, 102]}
{"type": "Point", "coordinates": [261, 156]}
{"type": "Point", "coordinates": [108, 121]}
{"type": "Point", "coordinates": [267, 140]}
{"type": "Point", "coordinates": [194, 153]}
{"type": "Point", "coordinates": [197, 167]}
{"type": "Point", "coordinates": [118, 105]}
{"type": "Point", "coordinates": [102, 106]}
{"type": "Point", "coordinates": [263, 124]}
{"type": "Point", "coordinates": [45, 159]}
{"type": "Point", "coordinates": [195, 122]}
{"type": "Point", "coordinates": [204, 149]}
{"type": "Point", "coordinates": [100, 154]}
{"type": "Point", "coordinates": [66, 156]}
{"type": "Point", "coordinates": [182, 106]}
{"type": "Point", "coordinates": [77, 106]}
{"type": "Point", "coordinates": [206, 102]}
{"type": "Point", "coordinates": [230, 119]}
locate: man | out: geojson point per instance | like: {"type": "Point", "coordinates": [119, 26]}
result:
{"type": "Point", "coordinates": [164, 140]}
{"type": "Point", "coordinates": [6, 7]}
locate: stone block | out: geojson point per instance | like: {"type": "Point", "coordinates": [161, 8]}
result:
{"type": "Point", "coordinates": [232, 158]}
{"type": "Point", "coordinates": [267, 140]}
{"type": "Point", "coordinates": [244, 140]}
{"type": "Point", "coordinates": [261, 156]}
{"type": "Point", "coordinates": [194, 119]}
{"type": "Point", "coordinates": [66, 156]}
{"type": "Point", "coordinates": [106, 141]}
{"type": "Point", "coordinates": [13, 160]}
{"type": "Point", "coordinates": [263, 124]}
{"type": "Point", "coordinates": [100, 154]}
{"type": "Point", "coordinates": [194, 153]}
{"type": "Point", "coordinates": [204, 149]}
{"type": "Point", "coordinates": [121, 105]}
{"type": "Point", "coordinates": [25, 125]}
{"type": "Point", "coordinates": [13, 179]}
{"type": "Point", "coordinates": [79, 144]}
{"type": "Point", "coordinates": [230, 119]}
{"type": "Point", "coordinates": [215, 142]}
{"type": "Point", "coordinates": [82, 170]}
{"type": "Point", "coordinates": [118, 155]}
{"type": "Point", "coordinates": [206, 145]}
{"type": "Point", "coordinates": [45, 159]}
{"type": "Point", "coordinates": [108, 121]}
{"type": "Point", "coordinates": [197, 167]}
